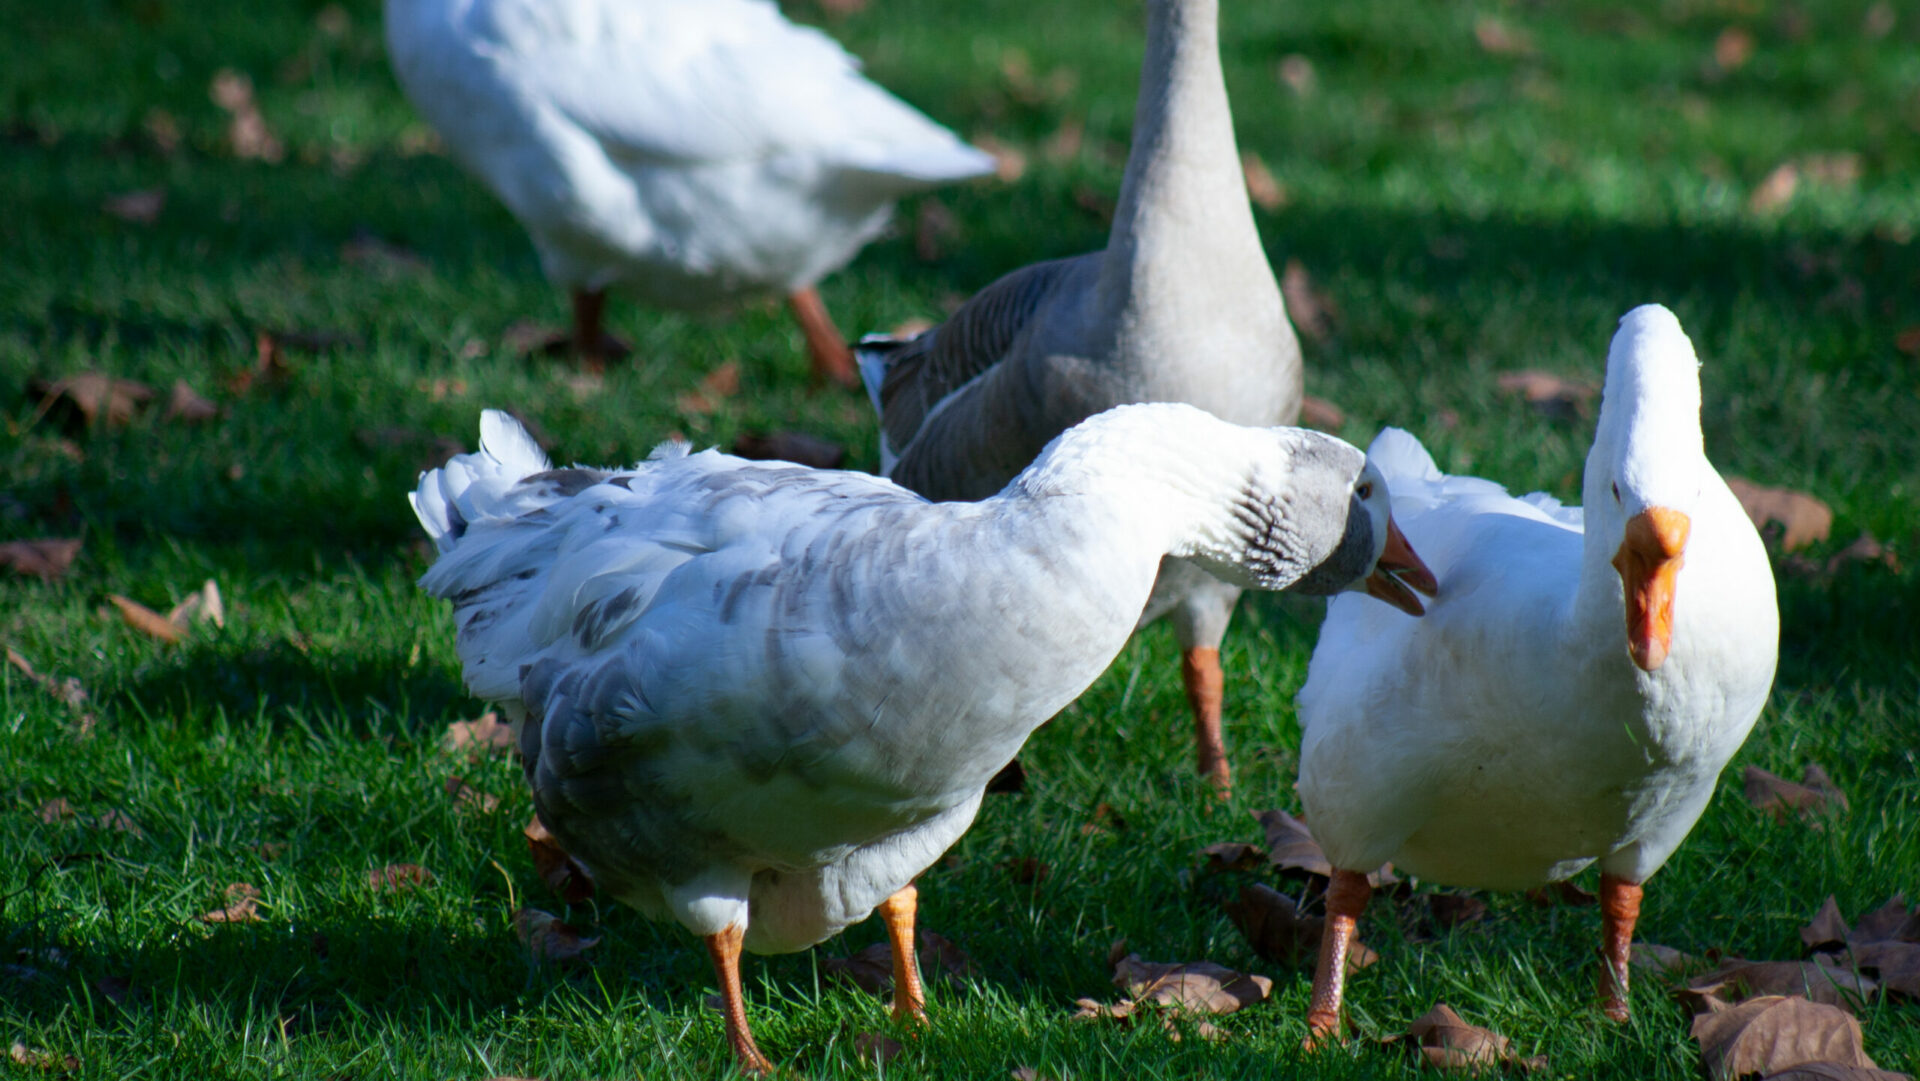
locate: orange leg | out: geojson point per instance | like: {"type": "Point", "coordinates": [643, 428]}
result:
{"type": "Point", "coordinates": [1346, 898]}
{"type": "Point", "coordinates": [897, 912]}
{"type": "Point", "coordinates": [832, 360]}
{"type": "Point", "coordinates": [1200, 670]}
{"type": "Point", "coordinates": [1619, 910]}
{"type": "Point", "coordinates": [588, 308]}
{"type": "Point", "coordinates": [725, 950]}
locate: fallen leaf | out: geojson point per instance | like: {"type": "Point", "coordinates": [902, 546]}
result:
{"type": "Point", "coordinates": [1895, 965]}
{"type": "Point", "coordinates": [1773, 1033]}
{"type": "Point", "coordinates": [1732, 49]}
{"type": "Point", "coordinates": [1658, 962]}
{"type": "Point", "coordinates": [549, 938]}
{"type": "Point", "coordinates": [1026, 871]}
{"type": "Point", "coordinates": [934, 230]}
{"type": "Point", "coordinates": [241, 907]}
{"type": "Point", "coordinates": [1009, 162]}
{"type": "Point", "coordinates": [57, 809]}
{"type": "Point", "coordinates": [185, 404]}
{"type": "Point", "coordinates": [1836, 170]}
{"type": "Point", "coordinates": [1827, 928]}
{"type": "Point", "coordinates": [876, 1050]}
{"type": "Point", "coordinates": [118, 821]}
{"type": "Point", "coordinates": [97, 398]}
{"type": "Point", "coordinates": [480, 737]}
{"type": "Point", "coordinates": [1297, 73]}
{"type": "Point", "coordinates": [1553, 396]}
{"type": "Point", "coordinates": [1806, 520]}
{"type": "Point", "coordinates": [1105, 820]}
{"type": "Point", "coordinates": [247, 132]}
{"type": "Point", "coordinates": [1094, 201]}
{"type": "Point", "coordinates": [1232, 856]}
{"type": "Point", "coordinates": [1908, 341]}
{"type": "Point", "coordinates": [141, 206]}
{"type": "Point", "coordinates": [144, 619]}
{"type": "Point", "coordinates": [1814, 796]}
{"type": "Point", "coordinates": [46, 559]}
{"type": "Point", "coordinates": [1864, 549]}
{"type": "Point", "coordinates": [1291, 847]}
{"type": "Point", "coordinates": [1266, 192]}
{"type": "Point", "coordinates": [1891, 922]}
{"type": "Point", "coordinates": [715, 388]}
{"type": "Point", "coordinates": [1498, 38]}
{"type": "Point", "coordinates": [1776, 190]}
{"type": "Point", "coordinates": [162, 130]}
{"type": "Point", "coordinates": [1064, 144]}
{"type": "Point", "coordinates": [468, 798]}
{"type": "Point", "coordinates": [203, 605]}
{"type": "Point", "coordinates": [397, 877]}
{"type": "Point", "coordinates": [871, 969]}
{"type": "Point", "coordinates": [1450, 910]}
{"type": "Point", "coordinates": [1833, 1071]}
{"type": "Point", "coordinates": [1028, 1073]}
{"type": "Point", "coordinates": [1312, 311]}
{"type": "Point", "coordinates": [561, 872]}
{"type": "Point", "coordinates": [1739, 980]}
{"type": "Point", "coordinates": [1011, 779]}
{"type": "Point", "coordinates": [1322, 414]}
{"type": "Point", "coordinates": [791, 446]}
{"type": "Point", "coordinates": [1561, 893]}
{"type": "Point", "coordinates": [1446, 1041]}
{"type": "Point", "coordinates": [36, 1059]}
{"type": "Point", "coordinates": [333, 21]}
{"type": "Point", "coordinates": [1274, 927]}
{"type": "Point", "coordinates": [1198, 986]}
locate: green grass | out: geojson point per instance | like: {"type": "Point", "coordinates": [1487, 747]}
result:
{"type": "Point", "coordinates": [1469, 213]}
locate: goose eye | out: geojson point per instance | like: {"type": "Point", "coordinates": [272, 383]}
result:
{"type": "Point", "coordinates": [1616, 491]}
{"type": "Point", "coordinates": [1365, 491]}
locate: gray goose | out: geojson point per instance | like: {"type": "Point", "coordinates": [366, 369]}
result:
{"type": "Point", "coordinates": [1181, 306]}
{"type": "Point", "coordinates": [759, 699]}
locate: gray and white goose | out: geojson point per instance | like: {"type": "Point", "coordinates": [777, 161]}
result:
{"type": "Point", "coordinates": [1181, 306]}
{"type": "Point", "coordinates": [760, 699]}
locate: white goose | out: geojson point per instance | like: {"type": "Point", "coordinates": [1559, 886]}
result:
{"type": "Point", "coordinates": [1576, 689]}
{"type": "Point", "coordinates": [1181, 306]}
{"type": "Point", "coordinates": [760, 699]}
{"type": "Point", "coordinates": [688, 151]}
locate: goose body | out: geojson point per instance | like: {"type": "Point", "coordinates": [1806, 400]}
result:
{"type": "Point", "coordinates": [688, 152]}
{"type": "Point", "coordinates": [1585, 675]}
{"type": "Point", "coordinates": [1180, 306]}
{"type": "Point", "coordinates": [759, 699]}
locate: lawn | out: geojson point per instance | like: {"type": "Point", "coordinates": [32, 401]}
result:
{"type": "Point", "coordinates": [1470, 188]}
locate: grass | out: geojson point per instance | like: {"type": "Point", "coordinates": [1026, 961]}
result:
{"type": "Point", "coordinates": [1469, 212]}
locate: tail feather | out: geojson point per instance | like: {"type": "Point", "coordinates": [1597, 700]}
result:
{"type": "Point", "coordinates": [474, 486]}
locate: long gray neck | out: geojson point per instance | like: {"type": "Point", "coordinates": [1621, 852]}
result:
{"type": "Point", "coordinates": [1184, 190]}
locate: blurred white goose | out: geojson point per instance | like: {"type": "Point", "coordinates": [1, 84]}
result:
{"type": "Point", "coordinates": [1576, 689]}
{"type": "Point", "coordinates": [1181, 306]}
{"type": "Point", "coordinates": [760, 699]}
{"type": "Point", "coordinates": [688, 151]}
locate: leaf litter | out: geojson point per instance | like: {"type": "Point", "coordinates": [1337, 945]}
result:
{"type": "Point", "coordinates": [549, 938]}
{"type": "Point", "coordinates": [1446, 1041]}
{"type": "Point", "coordinates": [1814, 797]}
{"type": "Point", "coordinates": [561, 872]}
{"type": "Point", "coordinates": [45, 558]}
{"type": "Point", "coordinates": [1773, 1033]}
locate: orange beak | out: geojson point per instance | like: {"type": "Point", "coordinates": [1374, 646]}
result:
{"type": "Point", "coordinates": [1398, 568]}
{"type": "Point", "coordinates": [1649, 561]}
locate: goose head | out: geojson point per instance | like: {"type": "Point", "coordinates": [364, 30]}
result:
{"type": "Point", "coordinates": [1646, 474]}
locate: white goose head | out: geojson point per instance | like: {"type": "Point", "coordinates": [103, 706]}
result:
{"type": "Point", "coordinates": [1646, 473]}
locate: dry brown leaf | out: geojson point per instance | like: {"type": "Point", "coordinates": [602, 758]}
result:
{"type": "Point", "coordinates": [1064, 144]}
{"type": "Point", "coordinates": [118, 821]}
{"type": "Point", "coordinates": [1450, 910]}
{"type": "Point", "coordinates": [397, 877]}
{"type": "Point", "coordinates": [1827, 928]}
{"type": "Point", "coordinates": [871, 969]}
{"type": "Point", "coordinates": [715, 388]}
{"type": "Point", "coordinates": [787, 445]}
{"type": "Point", "coordinates": [203, 605]}
{"type": "Point", "coordinates": [1864, 549]}
{"type": "Point", "coordinates": [1739, 980]}
{"type": "Point", "coordinates": [57, 809]}
{"type": "Point", "coordinates": [144, 619]}
{"type": "Point", "coordinates": [247, 131]}
{"type": "Point", "coordinates": [1232, 856]}
{"type": "Point", "coordinates": [1891, 922]}
{"type": "Point", "coordinates": [1776, 190]}
{"type": "Point", "coordinates": [1105, 820]}
{"type": "Point", "coordinates": [1658, 962]}
{"type": "Point", "coordinates": [1552, 396]}
{"type": "Point", "coordinates": [1446, 1041]}
{"type": "Point", "coordinates": [934, 230]}
{"type": "Point", "coordinates": [1561, 893]}
{"type": "Point", "coordinates": [1895, 965]}
{"type": "Point", "coordinates": [1732, 49]}
{"type": "Point", "coordinates": [1297, 73]}
{"type": "Point", "coordinates": [1773, 1033]}
{"type": "Point", "coordinates": [1833, 1071]}
{"type": "Point", "coordinates": [468, 798]}
{"type": "Point", "coordinates": [548, 938]}
{"type": "Point", "coordinates": [1026, 871]}
{"type": "Point", "coordinates": [478, 738]}
{"type": "Point", "coordinates": [141, 206]}
{"type": "Point", "coordinates": [1095, 202]}
{"type": "Point", "coordinates": [1028, 1073]}
{"type": "Point", "coordinates": [1806, 520]}
{"type": "Point", "coordinates": [185, 405]}
{"type": "Point", "coordinates": [270, 368]}
{"type": "Point", "coordinates": [1313, 312]}
{"type": "Point", "coordinates": [561, 872]}
{"type": "Point", "coordinates": [1496, 37]}
{"type": "Point", "coordinates": [96, 397]}
{"type": "Point", "coordinates": [241, 906]}
{"type": "Point", "coordinates": [35, 1059]}
{"type": "Point", "coordinates": [1274, 927]}
{"type": "Point", "coordinates": [1815, 795]}
{"type": "Point", "coordinates": [875, 1049]}
{"type": "Point", "coordinates": [1266, 192]}
{"type": "Point", "coordinates": [1291, 847]}
{"type": "Point", "coordinates": [1198, 986]}
{"type": "Point", "coordinates": [1908, 341]}
{"type": "Point", "coordinates": [46, 559]}
{"type": "Point", "coordinates": [1840, 169]}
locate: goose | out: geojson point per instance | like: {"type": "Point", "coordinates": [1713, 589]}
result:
{"type": "Point", "coordinates": [689, 152]}
{"type": "Point", "coordinates": [759, 699]}
{"type": "Point", "coordinates": [1575, 690]}
{"type": "Point", "coordinates": [1180, 306]}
